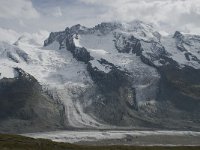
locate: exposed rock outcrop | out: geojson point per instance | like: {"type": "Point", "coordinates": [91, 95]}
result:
{"type": "Point", "coordinates": [24, 107]}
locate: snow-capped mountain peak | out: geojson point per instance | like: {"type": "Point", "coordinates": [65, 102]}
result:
{"type": "Point", "coordinates": [113, 73]}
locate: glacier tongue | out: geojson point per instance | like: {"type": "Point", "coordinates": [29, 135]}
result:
{"type": "Point", "coordinates": [75, 115]}
{"type": "Point", "coordinates": [64, 76]}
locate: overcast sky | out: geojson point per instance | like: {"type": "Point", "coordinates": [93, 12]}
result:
{"type": "Point", "coordinates": [53, 15]}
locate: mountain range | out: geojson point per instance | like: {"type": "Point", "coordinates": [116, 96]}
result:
{"type": "Point", "coordinates": [110, 76]}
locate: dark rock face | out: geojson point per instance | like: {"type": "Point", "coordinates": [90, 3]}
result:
{"type": "Point", "coordinates": [116, 94]}
{"type": "Point", "coordinates": [81, 54]}
{"type": "Point", "coordinates": [179, 92]}
{"type": "Point", "coordinates": [178, 35]}
{"type": "Point", "coordinates": [130, 44]}
{"type": "Point", "coordinates": [180, 86]}
{"type": "Point", "coordinates": [110, 81]}
{"type": "Point", "coordinates": [106, 27]}
{"type": "Point", "coordinates": [24, 107]}
{"type": "Point", "coordinates": [65, 40]}
{"type": "Point", "coordinates": [54, 36]}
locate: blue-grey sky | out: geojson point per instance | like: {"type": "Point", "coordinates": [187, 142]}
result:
{"type": "Point", "coordinates": [54, 15]}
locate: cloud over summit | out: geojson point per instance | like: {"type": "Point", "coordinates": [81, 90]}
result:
{"type": "Point", "coordinates": [52, 15]}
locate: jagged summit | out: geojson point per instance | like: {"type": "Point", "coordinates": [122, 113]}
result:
{"type": "Point", "coordinates": [122, 33]}
{"type": "Point", "coordinates": [178, 35]}
{"type": "Point", "coordinates": [137, 28]}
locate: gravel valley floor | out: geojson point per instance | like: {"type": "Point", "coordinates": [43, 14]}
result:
{"type": "Point", "coordinates": [135, 138]}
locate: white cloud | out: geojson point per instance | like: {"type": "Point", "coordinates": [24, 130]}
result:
{"type": "Point", "coordinates": [168, 15]}
{"type": "Point", "coordinates": [57, 12]}
{"type": "Point", "coordinates": [8, 35]}
{"type": "Point", "coordinates": [21, 23]}
{"type": "Point", "coordinates": [22, 9]}
{"type": "Point", "coordinates": [11, 36]}
{"type": "Point", "coordinates": [36, 39]}
{"type": "Point", "coordinates": [174, 14]}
